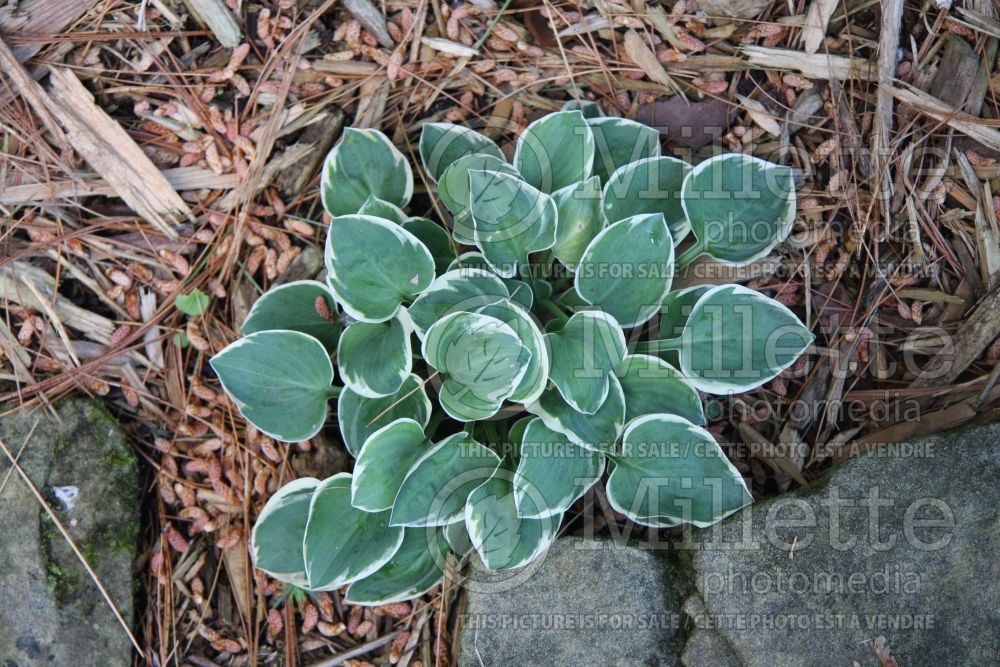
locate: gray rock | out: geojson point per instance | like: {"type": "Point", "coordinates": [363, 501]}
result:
{"type": "Point", "coordinates": [901, 545]}
{"type": "Point", "coordinates": [52, 613]}
{"type": "Point", "coordinates": [586, 603]}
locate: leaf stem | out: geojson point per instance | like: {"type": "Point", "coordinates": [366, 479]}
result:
{"type": "Point", "coordinates": [333, 392]}
{"type": "Point", "coordinates": [661, 345]}
{"type": "Point", "coordinates": [689, 255]}
{"type": "Point", "coordinates": [554, 310]}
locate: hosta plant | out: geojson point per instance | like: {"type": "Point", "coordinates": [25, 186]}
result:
{"type": "Point", "coordinates": [490, 368]}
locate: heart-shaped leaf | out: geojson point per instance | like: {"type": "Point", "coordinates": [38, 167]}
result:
{"type": "Point", "coordinates": [380, 208]}
{"type": "Point", "coordinates": [365, 284]}
{"type": "Point", "coordinates": [503, 539]}
{"type": "Point", "coordinates": [342, 543]}
{"type": "Point", "coordinates": [436, 488]}
{"type": "Point", "coordinates": [279, 380]}
{"type": "Point", "coordinates": [383, 463]}
{"type": "Point", "coordinates": [456, 291]}
{"type": "Point", "coordinates": [363, 163]}
{"type": "Point", "coordinates": [552, 472]}
{"type": "Point", "coordinates": [736, 339]}
{"type": "Point", "coordinates": [193, 303]}
{"type": "Point", "coordinates": [520, 291]}
{"type": "Point", "coordinates": [292, 306]}
{"type": "Point", "coordinates": [278, 535]}
{"type": "Point", "coordinates": [521, 321]}
{"type": "Point", "coordinates": [627, 269]}
{"type": "Point", "coordinates": [435, 237]}
{"type": "Point", "coordinates": [555, 151]}
{"type": "Point", "coordinates": [671, 471]}
{"type": "Point", "coordinates": [510, 219]}
{"type": "Point", "coordinates": [739, 207]}
{"type": "Point", "coordinates": [375, 358]}
{"type": "Point", "coordinates": [652, 386]}
{"type": "Point", "coordinates": [619, 141]}
{"type": "Point", "coordinates": [584, 354]}
{"type": "Point", "coordinates": [598, 432]}
{"type": "Point", "coordinates": [360, 417]}
{"type": "Point", "coordinates": [580, 218]}
{"type": "Point", "coordinates": [453, 188]}
{"type": "Point", "coordinates": [441, 144]}
{"type": "Point", "coordinates": [415, 568]}
{"type": "Point", "coordinates": [650, 186]}
{"type": "Point", "coordinates": [588, 108]}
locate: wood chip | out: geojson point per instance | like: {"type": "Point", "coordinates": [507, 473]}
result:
{"type": "Point", "coordinates": [760, 115]}
{"type": "Point", "coordinates": [215, 16]}
{"type": "Point", "coordinates": [938, 110]}
{"type": "Point", "coordinates": [814, 66]}
{"type": "Point", "coordinates": [449, 47]}
{"type": "Point", "coordinates": [371, 19]}
{"type": "Point", "coordinates": [643, 56]}
{"type": "Point", "coordinates": [817, 21]}
{"type": "Point", "coordinates": [40, 16]}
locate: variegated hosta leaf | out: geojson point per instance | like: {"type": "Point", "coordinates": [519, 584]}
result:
{"type": "Point", "coordinates": [363, 163]}
{"type": "Point", "coordinates": [588, 108]}
{"type": "Point", "coordinates": [627, 269]}
{"type": "Point", "coordinates": [670, 472]}
{"type": "Point", "coordinates": [580, 208]}
{"type": "Point", "coordinates": [279, 380]}
{"type": "Point", "coordinates": [503, 539]}
{"type": "Point", "coordinates": [277, 537]}
{"type": "Point", "coordinates": [441, 144]}
{"type": "Point", "coordinates": [458, 538]}
{"type": "Point", "coordinates": [520, 291]}
{"type": "Point", "coordinates": [387, 456]}
{"type": "Point", "coordinates": [458, 290]}
{"type": "Point", "coordinates": [652, 185]}
{"type": "Point", "coordinates": [584, 354]}
{"type": "Point", "coordinates": [739, 206]}
{"type": "Point", "coordinates": [379, 208]}
{"type": "Point", "coordinates": [653, 386]}
{"type": "Point", "coordinates": [370, 285]}
{"type": "Point", "coordinates": [619, 141]}
{"type": "Point", "coordinates": [453, 188]}
{"type": "Point", "coordinates": [598, 432]}
{"type": "Point", "coordinates": [674, 312]}
{"type": "Point", "coordinates": [510, 219]}
{"type": "Point", "coordinates": [435, 237]}
{"type": "Point", "coordinates": [342, 543]}
{"type": "Point", "coordinates": [359, 417]}
{"type": "Point", "coordinates": [415, 568]}
{"type": "Point", "coordinates": [483, 361]}
{"type": "Point", "coordinates": [521, 321]}
{"type": "Point", "coordinates": [552, 472]}
{"type": "Point", "coordinates": [555, 151]}
{"type": "Point", "coordinates": [736, 339]}
{"type": "Point", "coordinates": [375, 358]}
{"type": "Point", "coordinates": [436, 488]}
{"type": "Point", "coordinates": [292, 307]}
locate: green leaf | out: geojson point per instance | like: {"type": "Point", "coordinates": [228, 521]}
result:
{"type": "Point", "coordinates": [478, 354]}
{"type": "Point", "coordinates": [375, 358]}
{"type": "Point", "coordinates": [292, 306]}
{"type": "Point", "coordinates": [598, 432]}
{"type": "Point", "coordinates": [458, 290]}
{"type": "Point", "coordinates": [555, 151]}
{"type": "Point", "coordinates": [278, 534]}
{"type": "Point", "coordinates": [437, 486]}
{"type": "Point", "coordinates": [627, 269]}
{"type": "Point", "coordinates": [503, 539]}
{"type": "Point", "coordinates": [363, 163]}
{"type": "Point", "coordinates": [674, 313]}
{"type": "Point", "coordinates": [441, 144]}
{"type": "Point", "coordinates": [520, 320]}
{"type": "Point", "coordinates": [739, 206]}
{"type": "Point", "coordinates": [737, 339]}
{"type": "Point", "coordinates": [619, 141]}
{"type": "Point", "coordinates": [383, 463]}
{"type": "Point", "coordinates": [193, 303]}
{"type": "Point", "coordinates": [435, 237]}
{"type": "Point", "coordinates": [580, 208]}
{"type": "Point", "coordinates": [588, 108]}
{"type": "Point", "coordinates": [458, 538]}
{"type": "Point", "coordinates": [652, 386]}
{"type": "Point", "coordinates": [552, 471]}
{"type": "Point", "coordinates": [520, 291]}
{"type": "Point", "coordinates": [585, 353]}
{"type": "Point", "coordinates": [652, 185]}
{"type": "Point", "coordinates": [379, 208]}
{"type": "Point", "coordinates": [453, 188]}
{"type": "Point", "coordinates": [342, 543]}
{"type": "Point", "coordinates": [360, 417]}
{"type": "Point", "coordinates": [671, 471]}
{"type": "Point", "coordinates": [510, 219]}
{"type": "Point", "coordinates": [365, 284]}
{"type": "Point", "coordinates": [414, 569]}
{"type": "Point", "coordinates": [279, 380]}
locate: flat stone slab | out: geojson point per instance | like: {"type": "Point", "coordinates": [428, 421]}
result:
{"type": "Point", "coordinates": [901, 545]}
{"type": "Point", "coordinates": [586, 603]}
{"type": "Point", "coordinates": [51, 611]}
